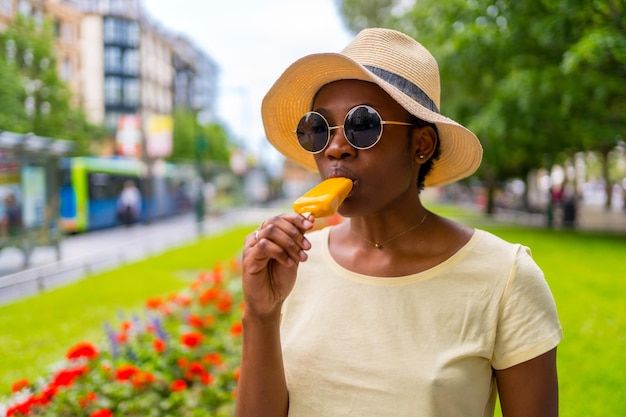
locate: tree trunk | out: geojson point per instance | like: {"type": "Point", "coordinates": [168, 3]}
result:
{"type": "Point", "coordinates": [490, 208]}
{"type": "Point", "coordinates": [608, 187]}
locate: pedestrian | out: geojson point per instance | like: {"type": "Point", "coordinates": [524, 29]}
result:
{"type": "Point", "coordinates": [11, 221]}
{"type": "Point", "coordinates": [129, 203]}
{"type": "Point", "coordinates": [396, 311]}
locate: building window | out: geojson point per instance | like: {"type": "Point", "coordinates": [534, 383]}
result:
{"type": "Point", "coordinates": [67, 32]}
{"type": "Point", "coordinates": [109, 30]}
{"type": "Point", "coordinates": [122, 32]}
{"type": "Point", "coordinates": [112, 59]}
{"type": "Point", "coordinates": [112, 91]}
{"type": "Point", "coordinates": [66, 70]}
{"type": "Point", "coordinates": [24, 8]}
{"type": "Point", "coordinates": [6, 7]}
{"type": "Point", "coordinates": [133, 33]}
{"type": "Point", "coordinates": [110, 121]}
{"type": "Point", "coordinates": [131, 62]}
{"type": "Point", "coordinates": [131, 93]}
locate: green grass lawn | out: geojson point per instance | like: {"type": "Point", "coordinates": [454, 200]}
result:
{"type": "Point", "coordinates": [585, 272]}
{"type": "Point", "coordinates": [36, 332]}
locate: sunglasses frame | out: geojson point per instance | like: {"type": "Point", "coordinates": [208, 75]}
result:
{"type": "Point", "coordinates": [330, 128]}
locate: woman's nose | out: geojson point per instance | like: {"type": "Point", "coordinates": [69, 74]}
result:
{"type": "Point", "coordinates": [338, 147]}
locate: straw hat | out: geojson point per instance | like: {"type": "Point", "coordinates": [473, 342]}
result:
{"type": "Point", "coordinates": [399, 65]}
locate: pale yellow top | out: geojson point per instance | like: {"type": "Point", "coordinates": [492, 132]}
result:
{"type": "Point", "coordinates": [419, 345]}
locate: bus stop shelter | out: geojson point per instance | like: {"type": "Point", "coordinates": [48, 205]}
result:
{"type": "Point", "coordinates": [29, 192]}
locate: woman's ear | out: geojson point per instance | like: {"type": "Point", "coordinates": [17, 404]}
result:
{"type": "Point", "coordinates": [424, 143]}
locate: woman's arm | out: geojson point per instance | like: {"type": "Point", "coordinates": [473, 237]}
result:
{"type": "Point", "coordinates": [270, 262]}
{"type": "Point", "coordinates": [530, 389]}
{"type": "Point", "coordinates": [262, 389]}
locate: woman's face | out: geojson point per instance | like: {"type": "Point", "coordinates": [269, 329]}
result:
{"type": "Point", "coordinates": [385, 175]}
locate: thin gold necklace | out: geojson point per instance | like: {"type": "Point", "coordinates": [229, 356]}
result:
{"type": "Point", "coordinates": [378, 245]}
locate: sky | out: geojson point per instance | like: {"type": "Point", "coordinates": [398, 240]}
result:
{"type": "Point", "coordinates": [252, 42]}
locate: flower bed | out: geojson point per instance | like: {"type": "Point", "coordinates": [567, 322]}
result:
{"type": "Point", "coordinates": [180, 358]}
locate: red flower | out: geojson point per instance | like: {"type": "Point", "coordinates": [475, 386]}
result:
{"type": "Point", "coordinates": [125, 325]}
{"type": "Point", "coordinates": [195, 321]}
{"type": "Point", "coordinates": [236, 329]}
{"type": "Point", "coordinates": [66, 377]}
{"type": "Point", "coordinates": [206, 378]}
{"type": "Point", "coordinates": [88, 398]}
{"type": "Point", "coordinates": [192, 339]}
{"type": "Point", "coordinates": [194, 369]}
{"type": "Point", "coordinates": [209, 320]}
{"type": "Point", "coordinates": [183, 300]}
{"type": "Point", "coordinates": [154, 303]}
{"type": "Point", "coordinates": [208, 295]}
{"type": "Point", "coordinates": [203, 277]}
{"type": "Point", "coordinates": [212, 358]}
{"type": "Point", "coordinates": [19, 385]}
{"type": "Point", "coordinates": [235, 265]}
{"type": "Point", "coordinates": [159, 345]}
{"type": "Point", "coordinates": [225, 302]}
{"type": "Point", "coordinates": [236, 374]}
{"type": "Point", "coordinates": [20, 408]}
{"type": "Point", "coordinates": [218, 273]}
{"type": "Point", "coordinates": [142, 378]}
{"type": "Point", "coordinates": [45, 396]}
{"type": "Point", "coordinates": [178, 385]}
{"type": "Point", "coordinates": [82, 350]}
{"type": "Point", "coordinates": [103, 412]}
{"type": "Point", "coordinates": [126, 372]}
{"type": "Point", "coordinates": [182, 362]}
{"type": "Point", "coordinates": [121, 337]}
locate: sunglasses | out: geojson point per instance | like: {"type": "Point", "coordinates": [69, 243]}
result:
{"type": "Point", "coordinates": [362, 128]}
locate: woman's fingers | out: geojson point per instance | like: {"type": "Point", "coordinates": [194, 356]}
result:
{"type": "Point", "coordinates": [282, 238]}
{"type": "Point", "coordinates": [270, 259]}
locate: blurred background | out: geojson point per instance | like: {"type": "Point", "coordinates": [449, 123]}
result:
{"type": "Point", "coordinates": [118, 113]}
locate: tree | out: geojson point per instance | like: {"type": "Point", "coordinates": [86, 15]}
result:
{"type": "Point", "coordinates": [44, 106]}
{"type": "Point", "coordinates": [599, 101]}
{"type": "Point", "coordinates": [12, 95]}
{"type": "Point", "coordinates": [508, 71]}
{"type": "Point", "coordinates": [188, 133]}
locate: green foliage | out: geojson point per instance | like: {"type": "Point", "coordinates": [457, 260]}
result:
{"type": "Point", "coordinates": [12, 113]}
{"type": "Point", "coordinates": [218, 145]}
{"type": "Point", "coordinates": [185, 133]}
{"type": "Point", "coordinates": [192, 140]}
{"type": "Point", "coordinates": [38, 101]}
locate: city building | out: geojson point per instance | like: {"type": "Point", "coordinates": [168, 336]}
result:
{"type": "Point", "coordinates": [123, 68]}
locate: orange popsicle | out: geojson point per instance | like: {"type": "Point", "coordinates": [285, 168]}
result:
{"type": "Point", "coordinates": [325, 198]}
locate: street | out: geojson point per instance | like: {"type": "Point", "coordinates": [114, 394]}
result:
{"type": "Point", "coordinates": [86, 253]}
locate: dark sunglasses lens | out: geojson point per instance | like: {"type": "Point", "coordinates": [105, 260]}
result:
{"type": "Point", "coordinates": [312, 132]}
{"type": "Point", "coordinates": [362, 127]}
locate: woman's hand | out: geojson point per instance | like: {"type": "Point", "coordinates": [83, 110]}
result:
{"type": "Point", "coordinates": [271, 257]}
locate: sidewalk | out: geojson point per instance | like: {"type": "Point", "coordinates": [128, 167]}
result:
{"type": "Point", "coordinates": [589, 219]}
{"type": "Point", "coordinates": [91, 252]}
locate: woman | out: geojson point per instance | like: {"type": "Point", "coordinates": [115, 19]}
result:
{"type": "Point", "coordinates": [396, 311]}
